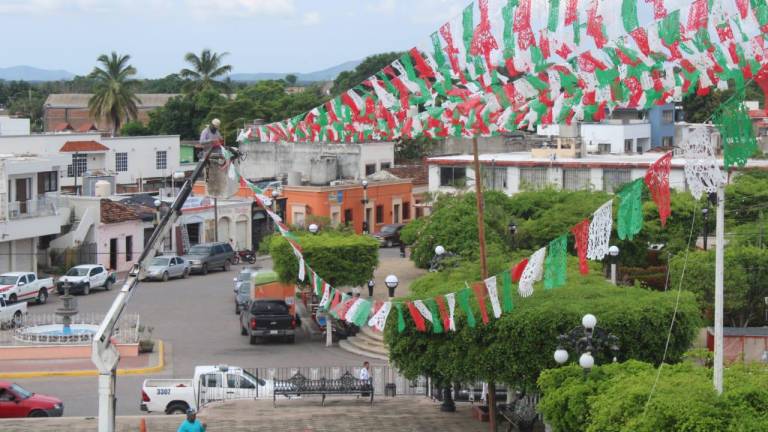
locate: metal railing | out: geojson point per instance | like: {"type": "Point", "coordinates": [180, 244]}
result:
{"type": "Point", "coordinates": [42, 206]}
{"type": "Point", "coordinates": [127, 330]}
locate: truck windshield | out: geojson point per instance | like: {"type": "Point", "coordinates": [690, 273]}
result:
{"type": "Point", "coordinates": [269, 308]}
{"type": "Point", "coordinates": [77, 271]}
{"type": "Point", "coordinates": [21, 391]}
{"type": "Point", "coordinates": [8, 280]}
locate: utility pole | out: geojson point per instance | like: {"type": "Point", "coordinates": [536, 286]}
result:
{"type": "Point", "coordinates": [719, 301]}
{"type": "Point", "coordinates": [483, 267]}
{"type": "Point", "coordinates": [215, 219]}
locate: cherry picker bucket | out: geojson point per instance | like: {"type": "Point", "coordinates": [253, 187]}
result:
{"type": "Point", "coordinates": [222, 172]}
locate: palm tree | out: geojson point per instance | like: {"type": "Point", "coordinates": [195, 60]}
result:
{"type": "Point", "coordinates": [206, 68]}
{"type": "Point", "coordinates": [114, 95]}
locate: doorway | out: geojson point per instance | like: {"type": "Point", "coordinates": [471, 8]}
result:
{"type": "Point", "coordinates": [113, 254]}
{"type": "Point", "coordinates": [22, 194]}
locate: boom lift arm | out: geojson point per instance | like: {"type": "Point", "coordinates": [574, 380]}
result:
{"type": "Point", "coordinates": [104, 354]}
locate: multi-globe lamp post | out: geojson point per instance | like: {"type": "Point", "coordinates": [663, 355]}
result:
{"type": "Point", "coordinates": [586, 340]}
{"type": "Point", "coordinates": [313, 228]}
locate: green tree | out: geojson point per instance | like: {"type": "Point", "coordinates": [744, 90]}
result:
{"type": "Point", "coordinates": [206, 68]}
{"type": "Point", "coordinates": [135, 128]}
{"type": "Point", "coordinates": [413, 149]}
{"type": "Point", "coordinates": [185, 115]}
{"type": "Point", "coordinates": [291, 79]}
{"type": "Point", "coordinates": [372, 64]}
{"type": "Point", "coordinates": [114, 95]}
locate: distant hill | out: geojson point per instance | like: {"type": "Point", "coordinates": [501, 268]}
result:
{"type": "Point", "coordinates": [321, 75]}
{"type": "Point", "coordinates": [29, 73]}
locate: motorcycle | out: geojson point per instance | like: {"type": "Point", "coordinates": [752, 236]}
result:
{"type": "Point", "coordinates": [245, 255]}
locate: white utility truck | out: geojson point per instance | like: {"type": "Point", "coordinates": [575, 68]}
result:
{"type": "Point", "coordinates": [25, 286]}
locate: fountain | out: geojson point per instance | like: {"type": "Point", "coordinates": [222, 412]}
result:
{"type": "Point", "coordinates": [67, 310]}
{"type": "Point", "coordinates": [64, 333]}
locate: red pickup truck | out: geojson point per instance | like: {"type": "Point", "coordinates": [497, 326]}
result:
{"type": "Point", "coordinates": [15, 401]}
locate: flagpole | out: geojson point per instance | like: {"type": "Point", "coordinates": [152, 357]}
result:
{"type": "Point", "coordinates": [483, 267]}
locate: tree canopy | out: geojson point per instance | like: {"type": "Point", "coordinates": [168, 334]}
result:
{"type": "Point", "coordinates": [114, 94]}
{"type": "Point", "coordinates": [206, 68]}
{"type": "Point", "coordinates": [372, 64]}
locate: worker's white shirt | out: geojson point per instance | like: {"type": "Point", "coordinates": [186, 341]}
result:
{"type": "Point", "coordinates": [364, 374]}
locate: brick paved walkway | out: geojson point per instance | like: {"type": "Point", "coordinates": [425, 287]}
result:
{"type": "Point", "coordinates": [341, 414]}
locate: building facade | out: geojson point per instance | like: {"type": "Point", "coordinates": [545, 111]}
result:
{"type": "Point", "coordinates": [14, 126]}
{"type": "Point", "coordinates": [72, 109]}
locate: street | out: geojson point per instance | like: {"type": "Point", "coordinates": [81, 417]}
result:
{"type": "Point", "coordinates": [195, 319]}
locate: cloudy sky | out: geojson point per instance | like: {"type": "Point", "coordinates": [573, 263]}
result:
{"type": "Point", "coordinates": [260, 35]}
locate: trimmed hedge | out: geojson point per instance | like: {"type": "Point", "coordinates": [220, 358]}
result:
{"type": "Point", "coordinates": [613, 398]}
{"type": "Point", "coordinates": [340, 259]}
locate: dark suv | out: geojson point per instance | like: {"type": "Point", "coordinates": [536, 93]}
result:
{"type": "Point", "coordinates": [204, 257]}
{"type": "Point", "coordinates": [389, 235]}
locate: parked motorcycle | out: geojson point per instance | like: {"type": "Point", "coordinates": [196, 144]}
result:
{"type": "Point", "coordinates": [245, 255]}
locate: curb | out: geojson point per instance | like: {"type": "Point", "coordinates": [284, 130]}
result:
{"type": "Point", "coordinates": [81, 373]}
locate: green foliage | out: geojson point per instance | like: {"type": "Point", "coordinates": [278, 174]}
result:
{"type": "Point", "coordinates": [205, 69]}
{"type": "Point", "coordinates": [135, 128]}
{"type": "Point", "coordinates": [372, 64]}
{"type": "Point", "coordinates": [414, 149]}
{"type": "Point", "coordinates": [291, 79]}
{"type": "Point", "coordinates": [745, 278]}
{"type": "Point", "coordinates": [518, 346]}
{"type": "Point", "coordinates": [699, 109]}
{"type": "Point", "coordinates": [613, 397]}
{"type": "Point", "coordinates": [184, 115]}
{"type": "Point", "coordinates": [114, 95]}
{"type": "Point", "coordinates": [340, 259]}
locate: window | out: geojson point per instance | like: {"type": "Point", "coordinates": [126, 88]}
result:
{"type": "Point", "coordinates": [667, 142]}
{"type": "Point", "coordinates": [668, 116]}
{"type": "Point", "coordinates": [22, 280]}
{"type": "Point", "coordinates": [406, 211]}
{"type": "Point", "coordinates": [79, 165]}
{"type": "Point", "coordinates": [129, 248]}
{"type": "Point", "coordinates": [533, 178]}
{"type": "Point", "coordinates": [495, 178]}
{"type": "Point", "coordinates": [386, 165]}
{"type": "Point", "coordinates": [396, 213]}
{"type": "Point", "coordinates": [453, 176]}
{"type": "Point", "coordinates": [614, 178]}
{"type": "Point", "coordinates": [236, 381]}
{"type": "Point", "coordinates": [47, 181]}
{"type": "Point", "coordinates": [121, 162]}
{"type": "Point", "coordinates": [628, 145]}
{"type": "Point", "coordinates": [347, 216]}
{"type": "Point", "coordinates": [161, 160]}
{"type": "Point", "coordinates": [576, 179]}
{"type": "Point", "coordinates": [30, 278]}
{"type": "Point", "coordinates": [370, 169]}
{"type": "Point", "coordinates": [379, 214]}
{"type": "Point", "coordinates": [603, 148]}
{"type": "Point", "coordinates": [212, 380]}
{"type": "Point", "coordinates": [218, 249]}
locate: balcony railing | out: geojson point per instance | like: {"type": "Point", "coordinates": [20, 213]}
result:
{"type": "Point", "coordinates": [42, 206]}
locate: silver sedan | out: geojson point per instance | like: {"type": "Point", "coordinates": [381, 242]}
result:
{"type": "Point", "coordinates": [167, 266]}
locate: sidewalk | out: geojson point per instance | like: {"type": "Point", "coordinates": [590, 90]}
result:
{"type": "Point", "coordinates": [403, 268]}
{"type": "Point", "coordinates": [341, 414]}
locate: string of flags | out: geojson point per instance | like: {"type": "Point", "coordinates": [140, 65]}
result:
{"type": "Point", "coordinates": [504, 65]}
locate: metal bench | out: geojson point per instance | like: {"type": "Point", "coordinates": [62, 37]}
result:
{"type": "Point", "coordinates": [299, 385]}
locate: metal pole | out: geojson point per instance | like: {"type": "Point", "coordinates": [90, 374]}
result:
{"type": "Point", "coordinates": [706, 228]}
{"type": "Point", "coordinates": [328, 331]}
{"type": "Point", "coordinates": [483, 267]}
{"type": "Point", "coordinates": [719, 301]}
{"type": "Point", "coordinates": [215, 219]}
{"type": "Point", "coordinates": [613, 271]}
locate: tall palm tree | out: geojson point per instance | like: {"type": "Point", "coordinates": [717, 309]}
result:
{"type": "Point", "coordinates": [114, 96]}
{"type": "Point", "coordinates": [206, 68]}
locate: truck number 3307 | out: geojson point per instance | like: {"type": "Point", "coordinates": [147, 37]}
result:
{"type": "Point", "coordinates": [163, 391]}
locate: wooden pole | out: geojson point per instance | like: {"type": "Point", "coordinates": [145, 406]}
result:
{"type": "Point", "coordinates": [483, 267]}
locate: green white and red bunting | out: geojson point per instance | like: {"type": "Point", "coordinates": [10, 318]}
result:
{"type": "Point", "coordinates": [509, 64]}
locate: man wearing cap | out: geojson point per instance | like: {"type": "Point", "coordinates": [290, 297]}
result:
{"type": "Point", "coordinates": [211, 134]}
{"type": "Point", "coordinates": [191, 424]}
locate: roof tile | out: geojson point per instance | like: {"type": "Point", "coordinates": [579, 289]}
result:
{"type": "Point", "coordinates": [83, 146]}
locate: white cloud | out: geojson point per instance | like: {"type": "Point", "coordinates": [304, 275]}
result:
{"type": "Point", "coordinates": [310, 18]}
{"type": "Point", "coordinates": [384, 6]}
{"type": "Point", "coordinates": [242, 7]}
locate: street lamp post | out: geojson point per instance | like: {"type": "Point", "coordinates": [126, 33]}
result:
{"type": "Point", "coordinates": [275, 195]}
{"type": "Point", "coordinates": [371, 284]}
{"type": "Point", "coordinates": [366, 223]}
{"type": "Point", "coordinates": [586, 340]}
{"type": "Point", "coordinates": [512, 227]}
{"type": "Point", "coordinates": [705, 213]}
{"type": "Point", "coordinates": [391, 282]}
{"type": "Point", "coordinates": [313, 228]}
{"type": "Point", "coordinates": [613, 251]}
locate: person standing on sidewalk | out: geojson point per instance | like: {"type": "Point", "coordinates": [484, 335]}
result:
{"type": "Point", "coordinates": [191, 424]}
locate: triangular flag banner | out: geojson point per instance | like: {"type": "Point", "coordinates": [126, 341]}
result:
{"type": "Point", "coordinates": [362, 312]}
{"type": "Point", "coordinates": [451, 300]}
{"type": "Point", "coordinates": [479, 289]}
{"type": "Point", "coordinates": [336, 298]}
{"type": "Point", "coordinates": [556, 264]}
{"type": "Point", "coordinates": [418, 320]}
{"type": "Point", "coordinates": [341, 310]}
{"type": "Point", "coordinates": [325, 301]}
{"type": "Point", "coordinates": [532, 273]}
{"type": "Point", "coordinates": [702, 172]}
{"type": "Point", "coordinates": [493, 294]}
{"type": "Point", "coordinates": [318, 282]}
{"type": "Point", "coordinates": [506, 292]}
{"type": "Point", "coordinates": [732, 119]}
{"type": "Point", "coordinates": [517, 271]}
{"type": "Point", "coordinates": [462, 298]}
{"type": "Point", "coordinates": [657, 180]}
{"type": "Point", "coordinates": [379, 319]}
{"type": "Point", "coordinates": [423, 310]}
{"type": "Point", "coordinates": [437, 326]}
{"type": "Point", "coordinates": [580, 233]}
{"type": "Point", "coordinates": [400, 319]}
{"type": "Point", "coordinates": [353, 309]}
{"type": "Point", "coordinates": [443, 310]}
{"type": "Point", "coordinates": [630, 214]}
{"type": "Point", "coordinates": [600, 231]}
{"type": "Point", "coordinates": [300, 257]}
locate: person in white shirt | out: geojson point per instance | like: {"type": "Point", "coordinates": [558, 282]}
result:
{"type": "Point", "coordinates": [365, 373]}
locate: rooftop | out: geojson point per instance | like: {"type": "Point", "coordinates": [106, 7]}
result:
{"type": "Point", "coordinates": [418, 173]}
{"type": "Point", "coordinates": [83, 146]}
{"type": "Point", "coordinates": [115, 212]}
{"type": "Point", "coordinates": [80, 100]}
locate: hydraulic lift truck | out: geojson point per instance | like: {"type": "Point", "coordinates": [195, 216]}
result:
{"type": "Point", "coordinates": [214, 164]}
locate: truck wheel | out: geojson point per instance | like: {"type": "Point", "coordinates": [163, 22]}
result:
{"type": "Point", "coordinates": [227, 265]}
{"type": "Point", "coordinates": [13, 298]}
{"type": "Point", "coordinates": [42, 296]}
{"type": "Point", "coordinates": [252, 340]}
{"type": "Point", "coordinates": [87, 289]}
{"type": "Point", "coordinates": [204, 270]}
{"type": "Point", "coordinates": [17, 320]}
{"type": "Point", "coordinates": [177, 408]}
{"type": "Point", "coordinates": [165, 277]}
{"type": "Point", "coordinates": [107, 285]}
{"type": "Point", "coordinates": [37, 413]}
{"type": "Point", "coordinates": [389, 243]}
{"type": "Point", "coordinates": [236, 260]}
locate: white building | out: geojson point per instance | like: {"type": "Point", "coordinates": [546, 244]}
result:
{"type": "Point", "coordinates": [30, 208]}
{"type": "Point", "coordinates": [14, 126]}
{"type": "Point", "coordinates": [137, 163]}
{"type": "Point", "coordinates": [610, 136]}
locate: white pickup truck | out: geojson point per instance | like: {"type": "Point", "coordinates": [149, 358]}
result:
{"type": "Point", "coordinates": [210, 383]}
{"type": "Point", "coordinates": [11, 314]}
{"type": "Point", "coordinates": [25, 286]}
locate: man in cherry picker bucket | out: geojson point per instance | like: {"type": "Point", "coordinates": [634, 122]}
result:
{"type": "Point", "coordinates": [211, 135]}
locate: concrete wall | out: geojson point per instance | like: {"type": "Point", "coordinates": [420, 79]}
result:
{"type": "Point", "coordinates": [18, 255]}
{"type": "Point", "coordinates": [14, 126]}
{"type": "Point", "coordinates": [270, 160]}
{"type": "Point", "coordinates": [120, 231]}
{"type": "Point", "coordinates": [593, 134]}
{"type": "Point", "coordinates": [485, 145]}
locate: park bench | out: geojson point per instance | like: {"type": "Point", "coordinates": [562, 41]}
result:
{"type": "Point", "coordinates": [299, 385]}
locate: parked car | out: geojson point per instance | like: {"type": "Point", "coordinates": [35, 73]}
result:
{"type": "Point", "coordinates": [210, 383]}
{"type": "Point", "coordinates": [16, 401]}
{"type": "Point", "coordinates": [84, 278]}
{"type": "Point", "coordinates": [167, 266]}
{"type": "Point", "coordinates": [25, 286]}
{"type": "Point", "coordinates": [204, 257]}
{"type": "Point", "coordinates": [389, 235]}
{"type": "Point", "coordinates": [12, 314]}
{"type": "Point", "coordinates": [268, 319]}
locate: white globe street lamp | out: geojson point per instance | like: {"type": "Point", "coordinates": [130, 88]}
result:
{"type": "Point", "coordinates": [589, 321]}
{"type": "Point", "coordinates": [613, 252]}
{"type": "Point", "coordinates": [439, 250]}
{"type": "Point", "coordinates": [586, 361]}
{"type": "Point", "coordinates": [391, 282]}
{"type": "Point", "coordinates": [561, 356]}
{"type": "Point", "coordinates": [313, 228]}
